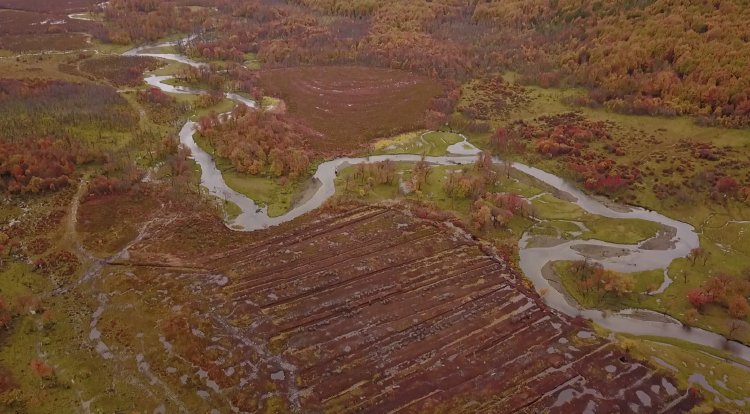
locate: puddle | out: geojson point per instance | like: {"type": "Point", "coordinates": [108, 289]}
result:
{"type": "Point", "coordinates": [664, 364]}
{"type": "Point", "coordinates": [645, 399]}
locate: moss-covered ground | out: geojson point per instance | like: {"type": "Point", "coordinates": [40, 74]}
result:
{"type": "Point", "coordinates": [430, 143]}
{"type": "Point", "coordinates": [721, 379]}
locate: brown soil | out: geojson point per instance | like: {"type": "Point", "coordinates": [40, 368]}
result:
{"type": "Point", "coordinates": [46, 6]}
{"type": "Point", "coordinates": [373, 310]}
{"type": "Point", "coordinates": [16, 22]}
{"type": "Point", "coordinates": [545, 241]}
{"type": "Point", "coordinates": [662, 241]}
{"type": "Point", "coordinates": [351, 105]}
{"type": "Point", "coordinates": [596, 252]}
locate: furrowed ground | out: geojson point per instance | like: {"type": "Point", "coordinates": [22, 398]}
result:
{"type": "Point", "coordinates": [356, 310]}
{"type": "Point", "coordinates": [347, 309]}
{"type": "Point", "coordinates": [351, 105]}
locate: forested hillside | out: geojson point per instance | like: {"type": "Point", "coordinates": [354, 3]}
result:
{"type": "Point", "coordinates": [640, 57]}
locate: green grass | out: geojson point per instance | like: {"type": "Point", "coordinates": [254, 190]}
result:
{"type": "Point", "coordinates": [556, 228]}
{"type": "Point", "coordinates": [428, 143]}
{"type": "Point", "coordinates": [111, 48]}
{"type": "Point", "coordinates": [268, 102]}
{"type": "Point", "coordinates": [522, 189]}
{"type": "Point", "coordinates": [597, 299]}
{"type": "Point", "coordinates": [735, 236]}
{"type": "Point", "coordinates": [552, 208]}
{"type": "Point", "coordinates": [251, 61]}
{"type": "Point", "coordinates": [263, 190]}
{"type": "Point", "coordinates": [622, 231]}
{"type": "Point", "coordinates": [76, 369]}
{"type": "Point", "coordinates": [712, 317]}
{"type": "Point", "coordinates": [170, 50]}
{"type": "Point", "coordinates": [177, 82]}
{"type": "Point", "coordinates": [689, 359]}
{"type": "Point", "coordinates": [171, 69]}
{"type": "Point", "coordinates": [225, 105]}
{"type": "Point", "coordinates": [433, 192]}
{"type": "Point", "coordinates": [631, 133]}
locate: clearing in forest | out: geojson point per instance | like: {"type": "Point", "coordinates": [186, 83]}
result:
{"type": "Point", "coordinates": [351, 105]}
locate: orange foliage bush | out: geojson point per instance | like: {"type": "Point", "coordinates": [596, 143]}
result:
{"type": "Point", "coordinates": [41, 369]}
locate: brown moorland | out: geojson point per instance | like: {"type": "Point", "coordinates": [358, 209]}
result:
{"type": "Point", "coordinates": [351, 105]}
{"type": "Point", "coordinates": [39, 42]}
{"type": "Point", "coordinates": [369, 309]}
{"type": "Point", "coordinates": [120, 70]}
{"type": "Point", "coordinates": [16, 22]}
{"type": "Point", "coordinates": [47, 6]}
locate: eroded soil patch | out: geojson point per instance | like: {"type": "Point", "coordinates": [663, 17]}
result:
{"type": "Point", "coordinates": [351, 105]}
{"type": "Point", "coordinates": [374, 310]}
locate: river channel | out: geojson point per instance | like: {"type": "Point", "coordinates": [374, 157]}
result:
{"type": "Point", "coordinates": [533, 259]}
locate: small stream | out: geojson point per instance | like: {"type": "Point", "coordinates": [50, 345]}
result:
{"type": "Point", "coordinates": [533, 260]}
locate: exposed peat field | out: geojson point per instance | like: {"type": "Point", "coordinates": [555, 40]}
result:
{"type": "Point", "coordinates": [60, 7]}
{"type": "Point", "coordinates": [351, 105]}
{"type": "Point", "coordinates": [26, 31]}
{"type": "Point", "coordinates": [357, 309]}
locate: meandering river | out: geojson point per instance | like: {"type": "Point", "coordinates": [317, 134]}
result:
{"type": "Point", "coordinates": [533, 259]}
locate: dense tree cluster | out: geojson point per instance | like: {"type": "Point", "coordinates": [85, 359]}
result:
{"type": "Point", "coordinates": [637, 57]}
{"type": "Point", "coordinates": [149, 20]}
{"type": "Point", "coordinates": [643, 57]}
{"type": "Point", "coordinates": [381, 172]}
{"type": "Point", "coordinates": [497, 209]}
{"type": "Point", "coordinates": [286, 35]}
{"type": "Point", "coordinates": [210, 98]}
{"type": "Point", "coordinates": [487, 207]}
{"type": "Point", "coordinates": [37, 165]}
{"type": "Point", "coordinates": [257, 141]}
{"type": "Point", "coordinates": [230, 77]}
{"type": "Point", "coordinates": [43, 107]}
{"type": "Point", "coordinates": [162, 108]}
{"type": "Point", "coordinates": [723, 290]}
{"type": "Point", "coordinates": [593, 279]}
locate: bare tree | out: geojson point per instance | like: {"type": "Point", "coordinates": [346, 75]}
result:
{"type": "Point", "coordinates": [734, 326]}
